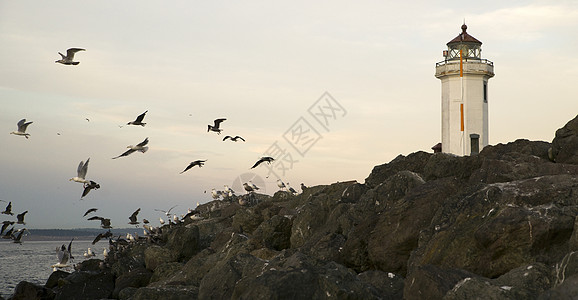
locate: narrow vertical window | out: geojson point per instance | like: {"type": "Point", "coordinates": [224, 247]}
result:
{"type": "Point", "coordinates": [485, 92]}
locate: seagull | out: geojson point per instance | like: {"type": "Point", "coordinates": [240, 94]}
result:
{"type": "Point", "coordinates": [104, 223]}
{"type": "Point", "coordinates": [291, 190]}
{"type": "Point", "coordinates": [20, 218]}
{"type": "Point", "coordinates": [253, 185]}
{"type": "Point", "coordinates": [267, 159]}
{"type": "Point", "coordinates": [199, 163]}
{"type": "Point", "coordinates": [280, 184]}
{"type": "Point", "coordinates": [167, 212]}
{"type": "Point", "coordinates": [67, 60]}
{"type": "Point", "coordinates": [5, 225]}
{"type": "Point", "coordinates": [89, 211]}
{"type": "Point", "coordinates": [138, 120]}
{"type": "Point", "coordinates": [139, 147]}
{"type": "Point", "coordinates": [63, 257]}
{"type": "Point", "coordinates": [215, 194]}
{"type": "Point", "coordinates": [248, 188]}
{"type": "Point", "coordinates": [8, 210]}
{"type": "Point", "coordinates": [145, 221]}
{"type": "Point", "coordinates": [132, 218]}
{"type": "Point", "coordinates": [17, 239]}
{"type": "Point", "coordinates": [234, 139]}
{"type": "Point", "coordinates": [105, 235]}
{"type": "Point", "coordinates": [89, 186]}
{"type": "Point", "coordinates": [81, 172]}
{"type": "Point", "coordinates": [216, 128]}
{"type": "Point", "coordinates": [303, 187]}
{"type": "Point", "coordinates": [89, 253]}
{"type": "Point", "coordinates": [22, 125]}
{"type": "Point", "coordinates": [8, 234]}
{"type": "Point", "coordinates": [161, 221]}
{"type": "Point", "coordinates": [70, 249]}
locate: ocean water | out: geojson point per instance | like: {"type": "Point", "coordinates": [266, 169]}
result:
{"type": "Point", "coordinates": [31, 261]}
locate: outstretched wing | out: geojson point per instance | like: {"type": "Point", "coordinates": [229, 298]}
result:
{"type": "Point", "coordinates": [126, 153]}
{"type": "Point", "coordinates": [218, 122]}
{"type": "Point", "coordinates": [141, 116]}
{"type": "Point", "coordinates": [238, 137]}
{"type": "Point", "coordinates": [22, 125]}
{"type": "Point", "coordinates": [227, 137]}
{"type": "Point", "coordinates": [82, 168]}
{"type": "Point", "coordinates": [70, 52]}
{"type": "Point", "coordinates": [144, 143]}
{"type": "Point", "coordinates": [257, 163]}
{"type": "Point", "coordinates": [133, 216]}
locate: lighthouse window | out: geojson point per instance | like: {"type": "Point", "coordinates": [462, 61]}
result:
{"type": "Point", "coordinates": [485, 92]}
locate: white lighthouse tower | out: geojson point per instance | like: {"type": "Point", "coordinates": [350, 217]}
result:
{"type": "Point", "coordinates": [464, 76]}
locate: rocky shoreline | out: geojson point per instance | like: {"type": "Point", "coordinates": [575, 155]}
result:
{"type": "Point", "coordinates": [498, 225]}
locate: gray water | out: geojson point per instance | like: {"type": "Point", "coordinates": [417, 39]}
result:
{"type": "Point", "coordinates": [31, 261]}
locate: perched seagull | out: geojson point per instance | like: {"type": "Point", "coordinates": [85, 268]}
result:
{"type": "Point", "coordinates": [22, 125]}
{"type": "Point", "coordinates": [132, 218]}
{"type": "Point", "coordinates": [303, 187]}
{"type": "Point", "coordinates": [281, 184]}
{"type": "Point", "coordinates": [234, 139]}
{"type": "Point", "coordinates": [105, 253]}
{"type": "Point", "coordinates": [81, 172]}
{"type": "Point", "coordinates": [291, 190]}
{"type": "Point", "coordinates": [63, 257]}
{"type": "Point", "coordinates": [199, 163]}
{"type": "Point", "coordinates": [215, 194]}
{"type": "Point", "coordinates": [145, 221]}
{"type": "Point", "coordinates": [8, 210]}
{"type": "Point", "coordinates": [138, 120]}
{"type": "Point", "coordinates": [89, 253]}
{"type": "Point", "coordinates": [253, 185]}
{"type": "Point", "coordinates": [89, 211]}
{"type": "Point", "coordinates": [139, 147]}
{"type": "Point", "coordinates": [20, 218]}
{"type": "Point", "coordinates": [267, 159]}
{"type": "Point", "coordinates": [67, 60]}
{"type": "Point", "coordinates": [215, 127]}
{"type": "Point", "coordinates": [161, 221]}
{"type": "Point", "coordinates": [248, 188]}
{"type": "Point", "coordinates": [89, 186]}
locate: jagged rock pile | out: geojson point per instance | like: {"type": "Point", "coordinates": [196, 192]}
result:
{"type": "Point", "coordinates": [498, 225]}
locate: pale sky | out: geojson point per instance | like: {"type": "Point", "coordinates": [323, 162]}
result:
{"type": "Point", "coordinates": [263, 65]}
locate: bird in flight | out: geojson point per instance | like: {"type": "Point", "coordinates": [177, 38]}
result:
{"type": "Point", "coordinates": [138, 120]}
{"type": "Point", "coordinates": [167, 212]}
{"type": "Point", "coordinates": [88, 187]}
{"type": "Point", "coordinates": [139, 147]}
{"type": "Point", "coordinates": [199, 163]}
{"type": "Point", "coordinates": [104, 223]}
{"type": "Point", "coordinates": [89, 211]}
{"type": "Point", "coordinates": [215, 127]}
{"type": "Point", "coordinates": [67, 59]}
{"type": "Point", "coordinates": [234, 139]}
{"type": "Point", "coordinates": [20, 218]}
{"type": "Point", "coordinates": [22, 125]}
{"type": "Point", "coordinates": [267, 159]}
{"type": "Point", "coordinates": [132, 218]}
{"type": "Point", "coordinates": [81, 172]}
{"type": "Point", "coordinates": [8, 210]}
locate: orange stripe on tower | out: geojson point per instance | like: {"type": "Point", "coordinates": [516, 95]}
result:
{"type": "Point", "coordinates": [462, 117]}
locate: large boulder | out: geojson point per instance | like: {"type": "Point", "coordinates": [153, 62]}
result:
{"type": "Point", "coordinates": [156, 256]}
{"type": "Point", "coordinates": [26, 290]}
{"type": "Point", "coordinates": [136, 279]}
{"type": "Point", "coordinates": [565, 144]}
{"type": "Point", "coordinates": [85, 285]}
{"type": "Point", "coordinates": [184, 242]}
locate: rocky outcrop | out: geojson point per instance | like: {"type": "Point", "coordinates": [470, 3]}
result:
{"type": "Point", "coordinates": [498, 225]}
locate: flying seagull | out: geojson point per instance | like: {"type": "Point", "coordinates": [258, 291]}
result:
{"type": "Point", "coordinates": [138, 120]}
{"type": "Point", "coordinates": [167, 212]}
{"type": "Point", "coordinates": [63, 256]}
{"type": "Point", "coordinates": [89, 211]}
{"type": "Point", "coordinates": [8, 210]}
{"type": "Point", "coordinates": [88, 187]}
{"type": "Point", "coordinates": [215, 127]}
{"type": "Point", "coordinates": [5, 225]}
{"type": "Point", "coordinates": [105, 235]}
{"type": "Point", "coordinates": [67, 60]}
{"type": "Point", "coordinates": [104, 223]}
{"type": "Point", "coordinates": [70, 249]}
{"type": "Point", "coordinates": [234, 139]}
{"type": "Point", "coordinates": [22, 125]}
{"type": "Point", "coordinates": [267, 159]}
{"type": "Point", "coordinates": [17, 239]}
{"type": "Point", "coordinates": [81, 172]}
{"type": "Point", "coordinates": [20, 218]}
{"type": "Point", "coordinates": [139, 147]}
{"type": "Point", "coordinates": [199, 163]}
{"type": "Point", "coordinates": [132, 218]}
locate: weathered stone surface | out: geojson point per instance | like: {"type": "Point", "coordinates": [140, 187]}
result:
{"type": "Point", "coordinates": [54, 277]}
{"type": "Point", "coordinates": [567, 290]}
{"type": "Point", "coordinates": [165, 271]}
{"type": "Point", "coordinates": [414, 162]}
{"type": "Point", "coordinates": [86, 285]}
{"type": "Point", "coordinates": [432, 282]}
{"type": "Point", "coordinates": [388, 285]}
{"type": "Point", "coordinates": [183, 242]}
{"type": "Point", "coordinates": [168, 292]}
{"type": "Point", "coordinates": [565, 144]}
{"type": "Point", "coordinates": [26, 290]}
{"type": "Point", "coordinates": [274, 233]}
{"type": "Point", "coordinates": [136, 278]}
{"type": "Point", "coordinates": [156, 256]}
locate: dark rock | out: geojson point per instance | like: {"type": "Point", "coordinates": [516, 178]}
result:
{"type": "Point", "coordinates": [54, 277]}
{"type": "Point", "coordinates": [414, 162]}
{"type": "Point", "coordinates": [136, 278]}
{"type": "Point", "coordinates": [388, 285]}
{"type": "Point", "coordinates": [274, 233]}
{"type": "Point", "coordinates": [565, 144]}
{"type": "Point", "coordinates": [432, 282]}
{"type": "Point", "coordinates": [567, 290]}
{"type": "Point", "coordinates": [127, 293]}
{"type": "Point", "coordinates": [156, 256]}
{"type": "Point", "coordinates": [85, 285]}
{"type": "Point", "coordinates": [93, 265]}
{"type": "Point", "coordinates": [168, 292]}
{"type": "Point", "coordinates": [184, 242]}
{"type": "Point", "coordinates": [25, 290]}
{"type": "Point", "coordinates": [165, 271]}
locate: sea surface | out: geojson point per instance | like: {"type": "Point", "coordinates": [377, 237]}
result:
{"type": "Point", "coordinates": [31, 261]}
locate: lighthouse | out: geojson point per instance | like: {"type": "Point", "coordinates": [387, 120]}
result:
{"type": "Point", "coordinates": [464, 76]}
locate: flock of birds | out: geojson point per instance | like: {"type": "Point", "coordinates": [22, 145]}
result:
{"type": "Point", "coordinates": [64, 253]}
{"type": "Point", "coordinates": [13, 234]}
